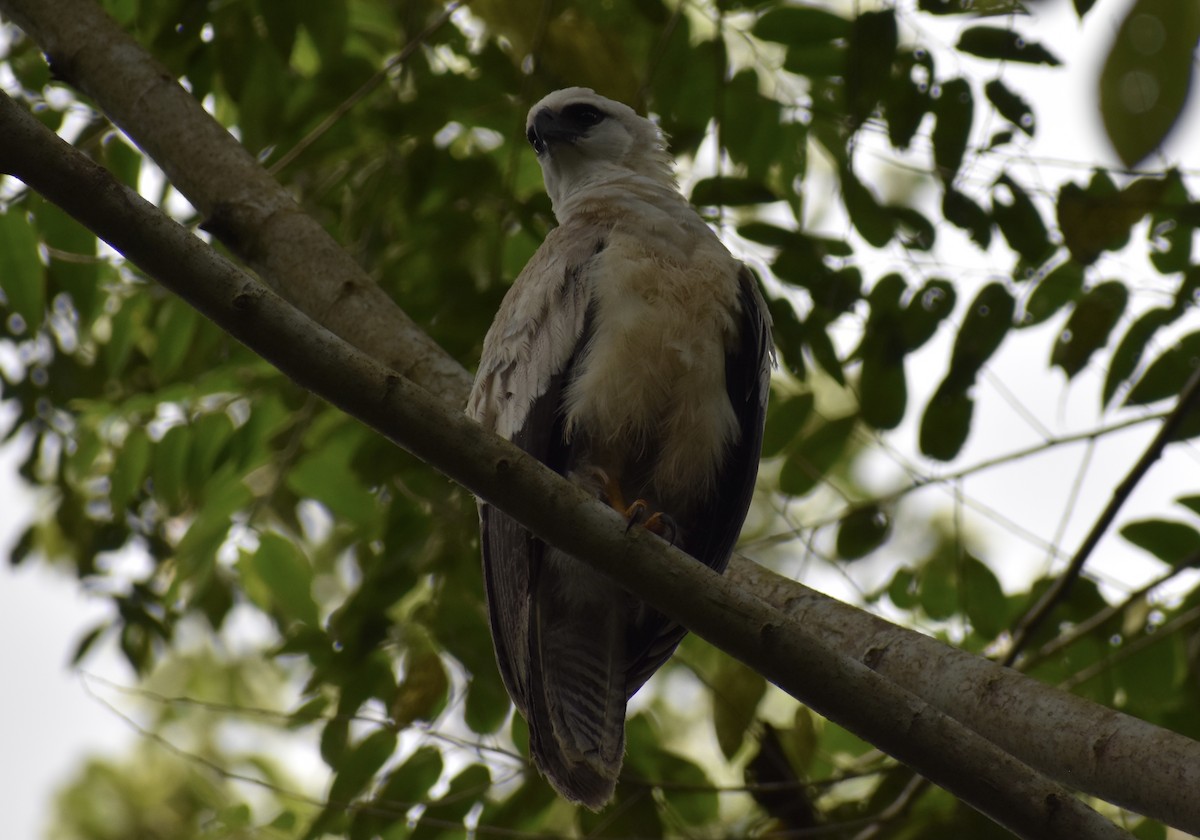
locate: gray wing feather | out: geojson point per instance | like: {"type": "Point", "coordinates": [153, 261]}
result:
{"type": "Point", "coordinates": [570, 687]}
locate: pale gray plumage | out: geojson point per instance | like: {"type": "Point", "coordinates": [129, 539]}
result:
{"type": "Point", "coordinates": [632, 355]}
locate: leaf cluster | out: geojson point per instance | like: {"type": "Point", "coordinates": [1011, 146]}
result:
{"type": "Point", "coordinates": [162, 438]}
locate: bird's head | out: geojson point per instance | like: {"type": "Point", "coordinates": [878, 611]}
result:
{"type": "Point", "coordinates": [584, 140]}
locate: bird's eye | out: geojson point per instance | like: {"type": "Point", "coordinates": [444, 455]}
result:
{"type": "Point", "coordinates": [535, 141]}
{"type": "Point", "coordinates": [583, 114]}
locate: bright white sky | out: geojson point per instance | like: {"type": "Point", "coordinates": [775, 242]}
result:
{"type": "Point", "coordinates": [48, 724]}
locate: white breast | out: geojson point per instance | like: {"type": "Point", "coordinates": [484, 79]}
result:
{"type": "Point", "coordinates": [654, 373]}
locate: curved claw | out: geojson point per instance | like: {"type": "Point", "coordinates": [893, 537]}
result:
{"type": "Point", "coordinates": [658, 523]}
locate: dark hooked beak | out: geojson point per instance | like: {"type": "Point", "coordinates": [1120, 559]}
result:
{"type": "Point", "coordinates": [549, 128]}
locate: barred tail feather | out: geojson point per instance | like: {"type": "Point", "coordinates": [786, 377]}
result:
{"type": "Point", "coordinates": [578, 649]}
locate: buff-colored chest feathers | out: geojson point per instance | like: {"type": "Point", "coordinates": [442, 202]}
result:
{"type": "Point", "coordinates": [654, 372]}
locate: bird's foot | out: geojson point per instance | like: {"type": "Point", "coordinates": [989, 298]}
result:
{"type": "Point", "coordinates": [658, 523]}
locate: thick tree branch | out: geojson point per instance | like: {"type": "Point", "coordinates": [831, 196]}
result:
{"type": "Point", "coordinates": [1071, 739]}
{"type": "Point", "coordinates": [251, 213]}
{"type": "Point", "coordinates": [778, 646]}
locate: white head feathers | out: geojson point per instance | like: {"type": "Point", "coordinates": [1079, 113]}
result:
{"type": "Point", "coordinates": [584, 141]}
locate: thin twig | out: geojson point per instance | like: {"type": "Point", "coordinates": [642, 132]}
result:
{"type": "Point", "coordinates": [920, 482]}
{"type": "Point", "coordinates": [1066, 639]}
{"type": "Point", "coordinates": [1179, 624]}
{"type": "Point", "coordinates": [1188, 398]}
{"type": "Point", "coordinates": [207, 763]}
{"type": "Point", "coordinates": [367, 87]}
{"type": "Point", "coordinates": [916, 786]}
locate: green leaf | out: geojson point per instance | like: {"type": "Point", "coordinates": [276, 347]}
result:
{"type": "Point", "coordinates": [883, 390]}
{"type": "Point", "coordinates": [325, 475]}
{"type": "Point", "coordinates": [1129, 351]}
{"type": "Point", "coordinates": [1004, 44]}
{"type": "Point", "coordinates": [695, 800]}
{"type": "Point", "coordinates": [917, 233]}
{"type": "Point", "coordinates": [988, 320]}
{"type": "Point", "coordinates": [1168, 373]}
{"type": "Point", "coordinates": [801, 26]}
{"type": "Point", "coordinates": [355, 769]}
{"type": "Point", "coordinates": [526, 810]}
{"type": "Point", "coordinates": [869, 57]}
{"type": "Point", "coordinates": [750, 128]}
{"type": "Point", "coordinates": [785, 418]}
{"type": "Point", "coordinates": [999, 139]}
{"type": "Point", "coordinates": [1173, 543]}
{"type": "Point", "coordinates": [731, 192]}
{"type": "Point", "coordinates": [946, 423]}
{"type": "Point", "coordinates": [421, 695]}
{"type": "Point", "coordinates": [359, 765]}
{"type": "Point", "coordinates": [1010, 105]}
{"type": "Point", "coordinates": [981, 8]}
{"type": "Point", "coordinates": [129, 470]}
{"type": "Point", "coordinates": [175, 328]}
{"type": "Point", "coordinates": [906, 99]}
{"type": "Point", "coordinates": [327, 24]}
{"type": "Point", "coordinates": [210, 437]}
{"type": "Point", "coordinates": [1192, 503]}
{"type": "Point", "coordinates": [964, 213]}
{"type": "Point", "coordinates": [954, 110]}
{"type": "Point", "coordinates": [737, 690]}
{"type": "Point", "coordinates": [903, 589]}
{"type": "Point", "coordinates": [128, 326]}
{"type": "Point", "coordinates": [444, 817]}
{"type": "Point", "coordinates": [282, 19]}
{"type": "Point", "coordinates": [1082, 7]}
{"type": "Point", "coordinates": [22, 277]}
{"type": "Point", "coordinates": [816, 62]}
{"type": "Point", "coordinates": [929, 306]}
{"type": "Point", "coordinates": [815, 455]}
{"type": "Point", "coordinates": [788, 333]}
{"type": "Point", "coordinates": [1052, 293]}
{"type": "Point", "coordinates": [122, 160]}
{"type": "Point", "coordinates": [487, 702]}
{"type": "Point", "coordinates": [768, 234]}
{"type": "Point", "coordinates": [875, 223]}
{"type": "Point", "coordinates": [1089, 326]}
{"type": "Point", "coordinates": [1098, 219]}
{"type": "Point", "coordinates": [1170, 234]}
{"type": "Point", "coordinates": [224, 496]}
{"type": "Point", "coordinates": [1021, 223]}
{"type": "Point", "coordinates": [941, 593]}
{"type": "Point", "coordinates": [947, 418]}
{"type": "Point", "coordinates": [409, 783]}
{"type": "Point", "coordinates": [983, 599]}
{"type": "Point", "coordinates": [816, 338]}
{"type": "Point", "coordinates": [1147, 75]}
{"type": "Point", "coordinates": [1188, 293]}
{"type": "Point", "coordinates": [77, 271]}
{"type": "Point", "coordinates": [862, 531]}
{"type": "Point", "coordinates": [883, 387]}
{"type": "Point", "coordinates": [288, 577]}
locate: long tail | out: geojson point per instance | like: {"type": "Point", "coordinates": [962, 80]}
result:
{"type": "Point", "coordinates": [578, 657]}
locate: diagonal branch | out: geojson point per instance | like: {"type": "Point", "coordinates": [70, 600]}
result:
{"type": "Point", "coordinates": [1078, 742]}
{"type": "Point", "coordinates": [1189, 397]}
{"type": "Point", "coordinates": [783, 649]}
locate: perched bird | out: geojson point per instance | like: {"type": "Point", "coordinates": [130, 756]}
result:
{"type": "Point", "coordinates": [631, 355]}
